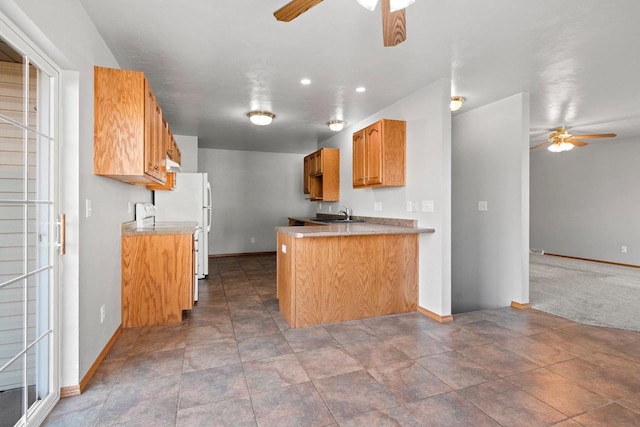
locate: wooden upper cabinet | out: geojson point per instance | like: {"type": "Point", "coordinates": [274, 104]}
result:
{"type": "Point", "coordinates": [379, 155]}
{"type": "Point", "coordinates": [321, 173]}
{"type": "Point", "coordinates": [128, 128]}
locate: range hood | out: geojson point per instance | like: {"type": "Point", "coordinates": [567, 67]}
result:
{"type": "Point", "coordinates": [172, 166]}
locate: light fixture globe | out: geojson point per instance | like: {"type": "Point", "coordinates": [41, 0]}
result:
{"type": "Point", "coordinates": [261, 118]}
{"type": "Point", "coordinates": [559, 147]}
{"type": "Point", "coordinates": [456, 103]}
{"type": "Point", "coordinates": [336, 125]}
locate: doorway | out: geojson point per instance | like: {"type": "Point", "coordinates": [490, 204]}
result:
{"type": "Point", "coordinates": [29, 231]}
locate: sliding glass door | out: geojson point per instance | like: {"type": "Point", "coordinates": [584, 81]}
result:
{"type": "Point", "coordinates": [28, 231]}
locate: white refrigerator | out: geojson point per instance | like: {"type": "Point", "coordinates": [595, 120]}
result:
{"type": "Point", "coordinates": [190, 200]}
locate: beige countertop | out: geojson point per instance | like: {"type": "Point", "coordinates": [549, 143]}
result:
{"type": "Point", "coordinates": [159, 228]}
{"type": "Point", "coordinates": [368, 227]}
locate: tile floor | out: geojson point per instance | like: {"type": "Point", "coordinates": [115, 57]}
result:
{"type": "Point", "coordinates": [234, 361]}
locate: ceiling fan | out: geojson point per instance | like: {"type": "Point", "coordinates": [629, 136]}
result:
{"type": "Point", "coordinates": [394, 28]}
{"type": "Point", "coordinates": [563, 140]}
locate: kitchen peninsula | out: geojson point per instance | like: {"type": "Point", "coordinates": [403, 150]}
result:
{"type": "Point", "coordinates": [345, 271]}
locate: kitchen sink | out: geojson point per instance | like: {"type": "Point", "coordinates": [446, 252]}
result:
{"type": "Point", "coordinates": [337, 220]}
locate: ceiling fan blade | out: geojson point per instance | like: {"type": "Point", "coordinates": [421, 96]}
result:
{"type": "Point", "coordinates": [293, 9]}
{"type": "Point", "coordinates": [597, 135]}
{"type": "Point", "coordinates": [394, 25]}
{"type": "Point", "coordinates": [540, 145]}
{"type": "Point", "coordinates": [577, 142]}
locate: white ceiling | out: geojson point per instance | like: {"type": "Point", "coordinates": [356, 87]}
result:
{"type": "Point", "coordinates": [212, 61]}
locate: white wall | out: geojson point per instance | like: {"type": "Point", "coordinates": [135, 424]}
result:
{"type": "Point", "coordinates": [188, 151]}
{"type": "Point", "coordinates": [490, 261]}
{"type": "Point", "coordinates": [252, 193]}
{"type": "Point", "coordinates": [428, 178]}
{"type": "Point", "coordinates": [91, 268]}
{"type": "Point", "coordinates": [585, 202]}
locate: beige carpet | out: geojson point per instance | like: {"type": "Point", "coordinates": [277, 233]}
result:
{"type": "Point", "coordinates": [587, 292]}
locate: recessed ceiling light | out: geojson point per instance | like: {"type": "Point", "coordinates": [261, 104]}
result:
{"type": "Point", "coordinates": [361, 89]}
{"type": "Point", "coordinates": [261, 118]}
{"type": "Point", "coordinates": [305, 81]}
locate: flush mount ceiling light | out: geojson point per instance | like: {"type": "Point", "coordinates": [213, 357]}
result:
{"type": "Point", "coordinates": [261, 118]}
{"type": "Point", "coordinates": [336, 125]}
{"type": "Point", "coordinates": [456, 103]}
{"type": "Point", "coordinates": [394, 4]}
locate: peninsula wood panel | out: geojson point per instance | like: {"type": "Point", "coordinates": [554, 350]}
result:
{"type": "Point", "coordinates": [285, 278]}
{"type": "Point", "coordinates": [157, 278]}
{"type": "Point", "coordinates": [352, 277]}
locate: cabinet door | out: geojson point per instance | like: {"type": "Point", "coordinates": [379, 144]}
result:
{"type": "Point", "coordinates": [150, 131]}
{"type": "Point", "coordinates": [359, 158]}
{"type": "Point", "coordinates": [319, 163]}
{"type": "Point", "coordinates": [160, 150]}
{"type": "Point", "coordinates": [373, 147]}
{"type": "Point", "coordinates": [315, 162]}
{"type": "Point", "coordinates": [306, 174]}
{"type": "Point", "coordinates": [176, 150]}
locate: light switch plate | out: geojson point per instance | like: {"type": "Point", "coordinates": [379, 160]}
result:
{"type": "Point", "coordinates": [482, 206]}
{"type": "Point", "coordinates": [427, 206]}
{"type": "Point", "coordinates": [377, 206]}
{"type": "Point", "coordinates": [88, 208]}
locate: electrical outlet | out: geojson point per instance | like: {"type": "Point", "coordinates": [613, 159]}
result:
{"type": "Point", "coordinates": [412, 206]}
{"type": "Point", "coordinates": [483, 206]}
{"type": "Point", "coordinates": [329, 208]}
{"type": "Point", "coordinates": [623, 249]}
{"type": "Point", "coordinates": [102, 313]}
{"type": "Point", "coordinates": [377, 206]}
{"type": "Point", "coordinates": [253, 240]}
{"type": "Point", "coordinates": [427, 206]}
{"type": "Point", "coordinates": [88, 208]}
{"type": "Point", "coordinates": [283, 248]}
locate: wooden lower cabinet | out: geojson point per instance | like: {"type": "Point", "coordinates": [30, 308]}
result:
{"type": "Point", "coordinates": [157, 278]}
{"type": "Point", "coordinates": [332, 279]}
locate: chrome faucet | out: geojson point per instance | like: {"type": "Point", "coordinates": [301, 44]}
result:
{"type": "Point", "coordinates": [346, 212]}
